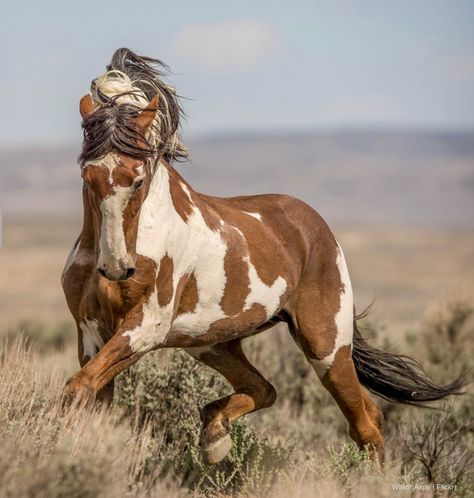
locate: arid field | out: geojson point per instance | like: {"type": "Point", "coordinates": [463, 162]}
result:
{"type": "Point", "coordinates": [146, 445]}
{"type": "Point", "coordinates": [407, 271]}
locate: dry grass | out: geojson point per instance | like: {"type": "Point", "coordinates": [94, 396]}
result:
{"type": "Point", "coordinates": [147, 444]}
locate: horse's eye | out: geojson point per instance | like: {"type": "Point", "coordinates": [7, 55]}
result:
{"type": "Point", "coordinates": [139, 184]}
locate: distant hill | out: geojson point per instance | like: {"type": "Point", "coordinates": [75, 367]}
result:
{"type": "Point", "coordinates": [349, 177]}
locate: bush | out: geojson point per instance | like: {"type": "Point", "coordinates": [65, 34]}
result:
{"type": "Point", "coordinates": [447, 340]}
{"type": "Point", "coordinates": [436, 443]}
{"type": "Point", "coordinates": [148, 444]}
{"type": "Point", "coordinates": [163, 392]}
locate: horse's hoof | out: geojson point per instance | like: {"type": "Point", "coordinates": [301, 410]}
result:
{"type": "Point", "coordinates": [217, 450]}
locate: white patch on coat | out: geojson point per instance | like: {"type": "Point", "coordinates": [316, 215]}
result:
{"type": "Point", "coordinates": [154, 327]}
{"type": "Point", "coordinates": [344, 318]}
{"type": "Point", "coordinates": [70, 259]}
{"type": "Point", "coordinates": [266, 295]}
{"type": "Point", "coordinates": [77, 256]}
{"type": "Point", "coordinates": [258, 216]}
{"type": "Point", "coordinates": [193, 247]}
{"type": "Point", "coordinates": [113, 250]}
{"type": "Point", "coordinates": [92, 341]}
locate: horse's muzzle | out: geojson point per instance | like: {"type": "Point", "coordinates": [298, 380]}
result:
{"type": "Point", "coordinates": [116, 276]}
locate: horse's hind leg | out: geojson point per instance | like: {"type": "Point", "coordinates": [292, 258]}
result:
{"type": "Point", "coordinates": [322, 324]}
{"type": "Point", "coordinates": [252, 392]}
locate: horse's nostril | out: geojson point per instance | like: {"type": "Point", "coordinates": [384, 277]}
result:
{"type": "Point", "coordinates": [130, 272]}
{"type": "Point", "coordinates": [102, 272]}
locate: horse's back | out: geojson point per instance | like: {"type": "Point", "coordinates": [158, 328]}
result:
{"type": "Point", "coordinates": [281, 217]}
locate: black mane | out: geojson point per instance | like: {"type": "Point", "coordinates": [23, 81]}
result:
{"type": "Point", "coordinates": [111, 127]}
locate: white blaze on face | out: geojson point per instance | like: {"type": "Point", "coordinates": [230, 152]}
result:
{"type": "Point", "coordinates": [92, 341]}
{"type": "Point", "coordinates": [113, 250]}
{"type": "Point", "coordinates": [112, 238]}
{"type": "Point", "coordinates": [344, 318]}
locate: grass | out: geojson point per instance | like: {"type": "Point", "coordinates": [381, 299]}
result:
{"type": "Point", "coordinates": [146, 445]}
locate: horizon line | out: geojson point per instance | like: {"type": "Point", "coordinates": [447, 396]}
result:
{"type": "Point", "coordinates": [250, 133]}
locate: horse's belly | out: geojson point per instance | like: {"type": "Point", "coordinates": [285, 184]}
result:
{"type": "Point", "coordinates": [210, 323]}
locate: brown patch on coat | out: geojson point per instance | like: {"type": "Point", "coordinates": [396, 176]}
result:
{"type": "Point", "coordinates": [164, 281]}
{"type": "Point", "coordinates": [181, 201]}
{"type": "Point", "coordinates": [127, 170]}
{"type": "Point", "coordinates": [188, 289]}
{"type": "Point", "coordinates": [267, 250]}
{"type": "Point", "coordinates": [237, 285]}
{"type": "Point", "coordinates": [222, 330]}
{"type": "Point", "coordinates": [96, 177]}
{"type": "Point", "coordinates": [211, 218]}
{"type": "Point", "coordinates": [317, 301]}
{"type": "Point", "coordinates": [184, 202]}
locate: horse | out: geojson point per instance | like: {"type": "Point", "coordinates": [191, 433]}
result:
{"type": "Point", "coordinates": [160, 265]}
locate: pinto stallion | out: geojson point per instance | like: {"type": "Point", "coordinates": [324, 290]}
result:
{"type": "Point", "coordinates": [159, 265]}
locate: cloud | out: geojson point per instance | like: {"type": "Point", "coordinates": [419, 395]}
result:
{"type": "Point", "coordinates": [230, 45]}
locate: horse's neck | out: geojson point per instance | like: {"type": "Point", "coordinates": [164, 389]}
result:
{"type": "Point", "coordinates": [89, 236]}
{"type": "Point", "coordinates": [167, 216]}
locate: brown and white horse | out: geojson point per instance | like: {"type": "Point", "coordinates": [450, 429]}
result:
{"type": "Point", "coordinates": [159, 265]}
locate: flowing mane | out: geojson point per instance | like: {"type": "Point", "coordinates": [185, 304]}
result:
{"type": "Point", "coordinates": [119, 95]}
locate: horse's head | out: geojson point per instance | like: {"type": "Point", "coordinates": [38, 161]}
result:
{"type": "Point", "coordinates": [116, 181]}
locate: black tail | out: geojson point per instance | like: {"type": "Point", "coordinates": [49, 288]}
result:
{"type": "Point", "coordinates": [396, 378]}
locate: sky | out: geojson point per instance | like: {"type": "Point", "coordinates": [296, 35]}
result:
{"type": "Point", "coordinates": [245, 66]}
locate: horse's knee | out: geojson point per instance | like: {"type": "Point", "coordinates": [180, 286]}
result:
{"type": "Point", "coordinates": [77, 389]}
{"type": "Point", "coordinates": [262, 393]}
{"type": "Point", "coordinates": [268, 396]}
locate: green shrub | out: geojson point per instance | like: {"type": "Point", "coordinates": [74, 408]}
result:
{"type": "Point", "coordinates": [163, 392]}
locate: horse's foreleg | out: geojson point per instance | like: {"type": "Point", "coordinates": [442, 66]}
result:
{"type": "Point", "coordinates": [97, 374]}
{"type": "Point", "coordinates": [106, 394]}
{"type": "Point", "coordinates": [252, 392]}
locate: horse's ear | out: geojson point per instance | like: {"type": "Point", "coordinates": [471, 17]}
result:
{"type": "Point", "coordinates": [148, 114]}
{"type": "Point", "coordinates": [86, 107]}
